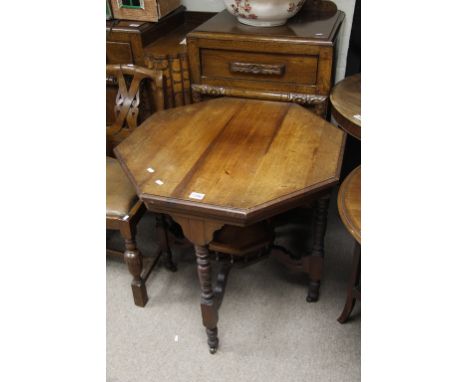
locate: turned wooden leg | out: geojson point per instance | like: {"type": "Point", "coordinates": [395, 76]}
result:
{"type": "Point", "coordinates": [352, 292]}
{"type": "Point", "coordinates": [319, 229]}
{"type": "Point", "coordinates": [208, 307]}
{"type": "Point", "coordinates": [134, 262]}
{"type": "Point", "coordinates": [163, 239]}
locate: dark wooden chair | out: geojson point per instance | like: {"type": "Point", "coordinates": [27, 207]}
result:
{"type": "Point", "coordinates": [123, 207]}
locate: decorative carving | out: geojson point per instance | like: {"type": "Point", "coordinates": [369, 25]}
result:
{"type": "Point", "coordinates": [252, 68]}
{"type": "Point", "coordinates": [299, 98]}
{"type": "Point", "coordinates": [303, 99]}
{"type": "Point", "coordinates": [127, 104]}
{"type": "Point", "coordinates": [215, 91]}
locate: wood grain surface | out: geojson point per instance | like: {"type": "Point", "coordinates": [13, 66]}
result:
{"type": "Point", "coordinates": [303, 53]}
{"type": "Point", "coordinates": [249, 159]}
{"type": "Point", "coordinates": [349, 203]}
{"type": "Point", "coordinates": [300, 29]}
{"type": "Point", "coordinates": [346, 104]}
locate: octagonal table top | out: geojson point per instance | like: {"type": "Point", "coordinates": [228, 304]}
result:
{"type": "Point", "coordinates": [231, 159]}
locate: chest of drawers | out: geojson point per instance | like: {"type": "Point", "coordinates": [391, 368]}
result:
{"type": "Point", "coordinates": [292, 63]}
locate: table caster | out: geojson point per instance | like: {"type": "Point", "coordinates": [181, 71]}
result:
{"type": "Point", "coordinates": [213, 350]}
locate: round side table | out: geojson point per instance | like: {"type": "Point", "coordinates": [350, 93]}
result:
{"type": "Point", "coordinates": [345, 99]}
{"type": "Point", "coordinates": [349, 207]}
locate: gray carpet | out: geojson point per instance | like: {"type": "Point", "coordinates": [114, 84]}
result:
{"type": "Point", "coordinates": [267, 331]}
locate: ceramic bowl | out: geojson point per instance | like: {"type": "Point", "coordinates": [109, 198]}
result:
{"type": "Point", "coordinates": [263, 13]}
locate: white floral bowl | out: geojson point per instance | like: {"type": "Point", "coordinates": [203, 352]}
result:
{"type": "Point", "coordinates": [263, 13]}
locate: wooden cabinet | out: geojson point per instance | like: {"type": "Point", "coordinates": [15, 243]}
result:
{"type": "Point", "coordinates": [293, 63]}
{"type": "Point", "coordinates": [126, 40]}
{"type": "Point", "coordinates": [156, 46]}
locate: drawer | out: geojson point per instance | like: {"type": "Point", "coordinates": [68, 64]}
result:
{"type": "Point", "coordinates": [258, 69]}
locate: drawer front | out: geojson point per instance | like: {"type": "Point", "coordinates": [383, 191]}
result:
{"type": "Point", "coordinates": [254, 70]}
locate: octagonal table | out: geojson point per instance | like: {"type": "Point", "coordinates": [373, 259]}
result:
{"type": "Point", "coordinates": [232, 161]}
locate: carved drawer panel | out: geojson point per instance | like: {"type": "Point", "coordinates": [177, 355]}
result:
{"type": "Point", "coordinates": [289, 72]}
{"type": "Point", "coordinates": [292, 63]}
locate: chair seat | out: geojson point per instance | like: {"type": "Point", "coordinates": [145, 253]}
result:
{"type": "Point", "coordinates": [120, 194]}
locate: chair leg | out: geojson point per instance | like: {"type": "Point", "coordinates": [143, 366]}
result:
{"type": "Point", "coordinates": [161, 229]}
{"type": "Point", "coordinates": [352, 285]}
{"type": "Point", "coordinates": [134, 262]}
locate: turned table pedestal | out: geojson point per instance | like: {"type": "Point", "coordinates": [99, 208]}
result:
{"type": "Point", "coordinates": [232, 161]}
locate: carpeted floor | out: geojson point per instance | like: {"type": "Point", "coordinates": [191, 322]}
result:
{"type": "Point", "coordinates": [267, 331]}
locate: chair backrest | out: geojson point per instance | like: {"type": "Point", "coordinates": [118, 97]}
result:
{"type": "Point", "coordinates": [129, 80]}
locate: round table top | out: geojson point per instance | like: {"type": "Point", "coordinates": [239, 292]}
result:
{"type": "Point", "coordinates": [349, 203]}
{"type": "Point", "coordinates": [345, 98]}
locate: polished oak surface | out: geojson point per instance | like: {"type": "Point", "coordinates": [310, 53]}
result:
{"type": "Point", "coordinates": [349, 203]}
{"type": "Point", "coordinates": [172, 43]}
{"type": "Point", "coordinates": [305, 25]}
{"type": "Point", "coordinates": [232, 161]}
{"type": "Point", "coordinates": [346, 104]}
{"type": "Point", "coordinates": [248, 159]}
{"type": "Point", "coordinates": [290, 63]}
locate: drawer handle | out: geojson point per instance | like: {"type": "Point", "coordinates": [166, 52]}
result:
{"type": "Point", "coordinates": [251, 68]}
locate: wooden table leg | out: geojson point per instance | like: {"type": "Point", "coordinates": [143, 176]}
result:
{"type": "Point", "coordinates": [208, 308]}
{"type": "Point", "coordinates": [163, 240]}
{"type": "Point", "coordinates": [200, 233]}
{"type": "Point", "coordinates": [316, 257]}
{"type": "Point", "coordinates": [353, 292]}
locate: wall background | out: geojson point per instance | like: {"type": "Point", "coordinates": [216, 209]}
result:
{"type": "Point", "coordinates": [347, 6]}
